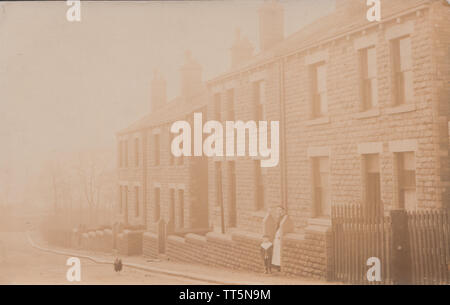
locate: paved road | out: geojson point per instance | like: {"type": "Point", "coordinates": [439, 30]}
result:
{"type": "Point", "coordinates": [22, 264]}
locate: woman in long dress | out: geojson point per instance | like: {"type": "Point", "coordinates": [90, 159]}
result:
{"type": "Point", "coordinates": [276, 258]}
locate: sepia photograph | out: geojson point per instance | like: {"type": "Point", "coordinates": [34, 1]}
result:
{"type": "Point", "coordinates": [201, 145]}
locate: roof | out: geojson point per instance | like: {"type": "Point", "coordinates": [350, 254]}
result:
{"type": "Point", "coordinates": [322, 29]}
{"type": "Point", "coordinates": [177, 109]}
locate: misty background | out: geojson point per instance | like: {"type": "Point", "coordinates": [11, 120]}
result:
{"type": "Point", "coordinates": [66, 87]}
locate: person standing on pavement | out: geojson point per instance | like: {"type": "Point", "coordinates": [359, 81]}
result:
{"type": "Point", "coordinates": [276, 257]}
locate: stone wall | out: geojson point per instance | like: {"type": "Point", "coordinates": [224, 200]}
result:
{"type": "Point", "coordinates": [130, 242]}
{"type": "Point", "coordinates": [150, 245]}
{"type": "Point", "coordinates": [236, 251]}
{"type": "Point", "coordinates": [307, 255]}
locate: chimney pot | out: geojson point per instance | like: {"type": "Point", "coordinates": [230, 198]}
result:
{"type": "Point", "coordinates": [158, 91]}
{"type": "Point", "coordinates": [271, 24]}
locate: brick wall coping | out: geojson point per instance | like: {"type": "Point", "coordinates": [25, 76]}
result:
{"type": "Point", "coordinates": [151, 234]}
{"type": "Point", "coordinates": [218, 236]}
{"type": "Point", "coordinates": [246, 234]}
{"type": "Point", "coordinates": [175, 238]}
{"type": "Point", "coordinates": [294, 237]}
{"type": "Point", "coordinates": [195, 238]}
{"type": "Point", "coordinates": [137, 232]}
{"type": "Point", "coordinates": [317, 228]}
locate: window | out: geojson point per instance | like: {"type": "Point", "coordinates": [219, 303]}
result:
{"type": "Point", "coordinates": [319, 89]}
{"type": "Point", "coordinates": [136, 151]}
{"type": "Point", "coordinates": [373, 191]}
{"type": "Point", "coordinates": [136, 192]}
{"type": "Point", "coordinates": [259, 186]}
{"type": "Point", "coordinates": [181, 208]}
{"type": "Point", "coordinates": [157, 206]}
{"type": "Point", "coordinates": [171, 157]}
{"type": "Point", "coordinates": [369, 84]}
{"type": "Point", "coordinates": [172, 206]}
{"type": "Point", "coordinates": [218, 168]}
{"type": "Point", "coordinates": [217, 107]}
{"type": "Point", "coordinates": [407, 180]}
{"type": "Point", "coordinates": [402, 61]}
{"type": "Point", "coordinates": [125, 144]}
{"type": "Point", "coordinates": [230, 105]}
{"type": "Point", "coordinates": [259, 100]}
{"type": "Point", "coordinates": [120, 199]}
{"type": "Point", "coordinates": [232, 193]}
{"type": "Point", "coordinates": [322, 200]}
{"type": "Point", "coordinates": [125, 200]}
{"type": "Point", "coordinates": [157, 149]}
{"type": "Point", "coordinates": [120, 153]}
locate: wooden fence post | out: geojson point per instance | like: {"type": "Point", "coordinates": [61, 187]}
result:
{"type": "Point", "coordinates": [401, 254]}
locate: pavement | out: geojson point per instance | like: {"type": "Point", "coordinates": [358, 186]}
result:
{"type": "Point", "coordinates": [30, 260]}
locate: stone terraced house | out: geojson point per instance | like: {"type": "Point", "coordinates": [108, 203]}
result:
{"type": "Point", "coordinates": [364, 119]}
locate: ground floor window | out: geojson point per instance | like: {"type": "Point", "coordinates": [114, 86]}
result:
{"type": "Point", "coordinates": [406, 167]}
{"type": "Point", "coordinates": [322, 199]}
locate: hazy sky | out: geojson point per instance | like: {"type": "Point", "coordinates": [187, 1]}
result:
{"type": "Point", "coordinates": [69, 86]}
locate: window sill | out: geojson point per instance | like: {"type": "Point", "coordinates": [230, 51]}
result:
{"type": "Point", "coordinates": [367, 114]}
{"type": "Point", "coordinates": [318, 121]}
{"type": "Point", "coordinates": [218, 159]}
{"type": "Point", "coordinates": [401, 109]}
{"type": "Point", "coordinates": [259, 214]}
{"type": "Point", "coordinates": [320, 224]}
{"type": "Point", "coordinates": [320, 221]}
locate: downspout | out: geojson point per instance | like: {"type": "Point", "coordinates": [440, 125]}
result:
{"type": "Point", "coordinates": [144, 180]}
{"type": "Point", "coordinates": [283, 163]}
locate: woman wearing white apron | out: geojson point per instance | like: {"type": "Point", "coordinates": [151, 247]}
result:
{"type": "Point", "coordinates": [276, 258]}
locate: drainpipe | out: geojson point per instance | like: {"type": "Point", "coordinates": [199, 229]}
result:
{"type": "Point", "coordinates": [283, 163]}
{"type": "Point", "coordinates": [144, 180]}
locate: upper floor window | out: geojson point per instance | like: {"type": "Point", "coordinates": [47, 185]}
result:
{"type": "Point", "coordinates": [137, 212]}
{"type": "Point", "coordinates": [171, 156]}
{"type": "Point", "coordinates": [319, 90]}
{"type": "Point", "coordinates": [369, 85]}
{"type": "Point", "coordinates": [402, 65]}
{"type": "Point", "coordinates": [259, 100]}
{"type": "Point", "coordinates": [120, 153]}
{"type": "Point", "coordinates": [125, 154]}
{"type": "Point", "coordinates": [120, 199]}
{"type": "Point", "coordinates": [157, 149]}
{"type": "Point", "coordinates": [136, 152]}
{"type": "Point", "coordinates": [230, 105]}
{"type": "Point", "coordinates": [217, 107]}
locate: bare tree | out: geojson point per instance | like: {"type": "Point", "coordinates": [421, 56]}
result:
{"type": "Point", "coordinates": [92, 171]}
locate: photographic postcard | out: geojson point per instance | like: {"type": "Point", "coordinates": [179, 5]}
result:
{"type": "Point", "coordinates": [225, 142]}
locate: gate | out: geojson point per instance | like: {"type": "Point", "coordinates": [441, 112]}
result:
{"type": "Point", "coordinates": [412, 247]}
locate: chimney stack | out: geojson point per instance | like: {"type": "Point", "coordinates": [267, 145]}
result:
{"type": "Point", "coordinates": [271, 24]}
{"type": "Point", "coordinates": [191, 76]}
{"type": "Point", "coordinates": [241, 50]}
{"type": "Point", "coordinates": [158, 91]}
